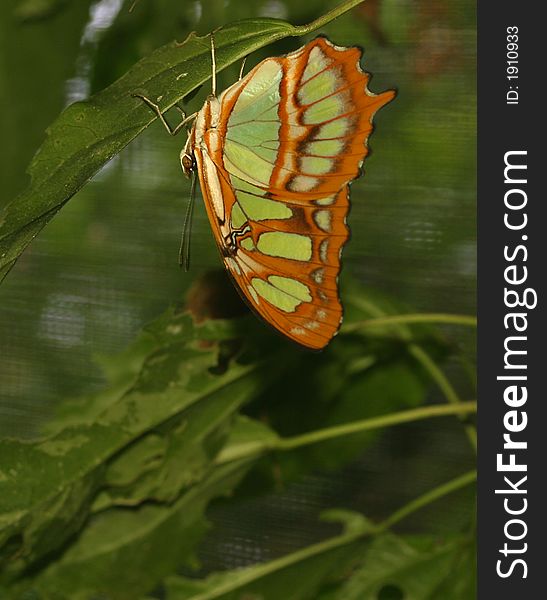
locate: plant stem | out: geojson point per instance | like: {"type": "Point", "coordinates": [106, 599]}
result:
{"type": "Point", "coordinates": [253, 449]}
{"type": "Point", "coordinates": [396, 418]}
{"type": "Point", "coordinates": [442, 318]}
{"type": "Point", "coordinates": [436, 374]}
{"type": "Point", "coordinates": [427, 498]}
{"type": "Point", "coordinates": [248, 575]}
{"type": "Point", "coordinates": [446, 387]}
{"type": "Point", "coordinates": [327, 17]}
{"type": "Point", "coordinates": [422, 357]}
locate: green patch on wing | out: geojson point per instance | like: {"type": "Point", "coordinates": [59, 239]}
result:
{"type": "Point", "coordinates": [243, 162]}
{"type": "Point", "coordinates": [259, 96]}
{"type": "Point", "coordinates": [285, 245]}
{"type": "Point", "coordinates": [276, 296]}
{"type": "Point", "coordinates": [248, 244]}
{"type": "Point", "coordinates": [316, 165]}
{"type": "Point", "coordinates": [334, 129]}
{"type": "Point", "coordinates": [291, 286]}
{"type": "Point", "coordinates": [259, 209]}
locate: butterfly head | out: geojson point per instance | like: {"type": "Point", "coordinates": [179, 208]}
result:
{"type": "Point", "coordinates": [187, 163]}
{"type": "Point", "coordinates": [187, 160]}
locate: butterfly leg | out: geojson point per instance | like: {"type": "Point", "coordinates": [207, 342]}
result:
{"type": "Point", "coordinates": [156, 109]}
{"type": "Point", "coordinates": [213, 67]}
{"type": "Point", "coordinates": [242, 67]}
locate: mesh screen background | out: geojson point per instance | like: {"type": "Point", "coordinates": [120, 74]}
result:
{"type": "Point", "coordinates": [107, 264]}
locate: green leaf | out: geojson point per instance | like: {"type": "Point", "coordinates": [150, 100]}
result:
{"type": "Point", "coordinates": [422, 568]}
{"type": "Point", "coordinates": [156, 439]}
{"type": "Point", "coordinates": [248, 437]}
{"type": "Point", "coordinates": [128, 552]}
{"type": "Point", "coordinates": [37, 60]}
{"type": "Point", "coordinates": [348, 567]}
{"type": "Point", "coordinates": [296, 576]}
{"type": "Point", "coordinates": [159, 465]}
{"type": "Point", "coordinates": [89, 134]}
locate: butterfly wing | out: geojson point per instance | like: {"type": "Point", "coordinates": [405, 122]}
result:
{"type": "Point", "coordinates": [289, 138]}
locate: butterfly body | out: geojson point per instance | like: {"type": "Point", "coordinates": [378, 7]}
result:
{"type": "Point", "coordinates": [274, 154]}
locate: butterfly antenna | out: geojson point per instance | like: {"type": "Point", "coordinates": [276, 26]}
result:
{"type": "Point", "coordinates": [214, 67]}
{"type": "Point", "coordinates": [184, 250]}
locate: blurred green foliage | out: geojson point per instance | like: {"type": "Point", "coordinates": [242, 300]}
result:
{"type": "Point", "coordinates": [113, 498]}
{"type": "Point", "coordinates": [99, 271]}
{"type": "Point", "coordinates": [135, 438]}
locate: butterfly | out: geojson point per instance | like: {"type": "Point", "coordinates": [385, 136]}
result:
{"type": "Point", "coordinates": [275, 154]}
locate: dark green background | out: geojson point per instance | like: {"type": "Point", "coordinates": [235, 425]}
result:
{"type": "Point", "coordinates": [107, 264]}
